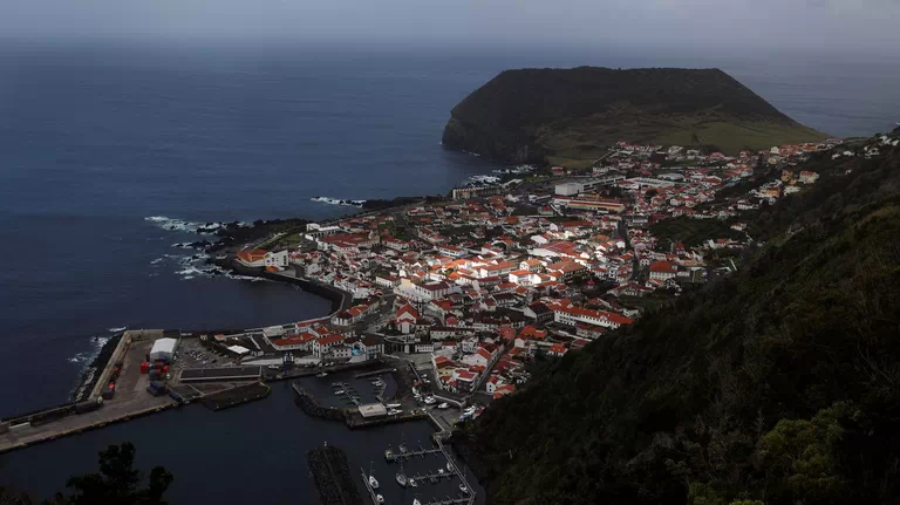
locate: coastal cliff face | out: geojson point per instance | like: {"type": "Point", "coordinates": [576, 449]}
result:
{"type": "Point", "coordinates": [535, 115]}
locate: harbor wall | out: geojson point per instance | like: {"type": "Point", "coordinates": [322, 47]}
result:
{"type": "Point", "coordinates": [340, 300]}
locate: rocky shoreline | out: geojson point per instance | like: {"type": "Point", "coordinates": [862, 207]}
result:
{"type": "Point", "coordinates": [90, 375]}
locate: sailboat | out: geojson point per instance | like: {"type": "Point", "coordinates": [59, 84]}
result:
{"type": "Point", "coordinates": [416, 501]}
{"type": "Point", "coordinates": [401, 477]}
{"type": "Point", "coordinates": [373, 482]}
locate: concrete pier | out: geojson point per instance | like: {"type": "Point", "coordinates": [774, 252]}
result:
{"type": "Point", "coordinates": [131, 398]}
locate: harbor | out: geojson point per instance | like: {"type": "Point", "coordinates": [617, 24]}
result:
{"type": "Point", "coordinates": [138, 381]}
{"type": "Point", "coordinates": [206, 442]}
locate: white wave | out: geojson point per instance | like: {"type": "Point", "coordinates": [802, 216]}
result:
{"type": "Point", "coordinates": [174, 224]}
{"type": "Point", "coordinates": [117, 330]}
{"type": "Point", "coordinates": [338, 201]}
{"type": "Point", "coordinates": [518, 169]}
{"type": "Point", "coordinates": [88, 356]}
{"type": "Point", "coordinates": [157, 261]}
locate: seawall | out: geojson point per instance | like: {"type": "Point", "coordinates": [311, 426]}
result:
{"type": "Point", "coordinates": [340, 300]}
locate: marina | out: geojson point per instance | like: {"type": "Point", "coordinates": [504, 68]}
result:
{"type": "Point", "coordinates": [421, 481]}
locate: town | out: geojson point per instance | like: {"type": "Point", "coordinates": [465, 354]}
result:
{"type": "Point", "coordinates": [529, 265]}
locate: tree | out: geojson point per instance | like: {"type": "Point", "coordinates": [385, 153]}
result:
{"type": "Point", "coordinates": [800, 455]}
{"type": "Point", "coordinates": [117, 483]}
{"type": "Point", "coordinates": [12, 497]}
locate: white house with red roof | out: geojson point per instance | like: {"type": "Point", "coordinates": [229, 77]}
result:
{"type": "Point", "coordinates": [405, 318]}
{"type": "Point", "coordinates": [662, 270]}
{"type": "Point", "coordinates": [323, 345]}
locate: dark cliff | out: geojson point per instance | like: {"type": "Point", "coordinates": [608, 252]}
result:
{"type": "Point", "coordinates": [531, 114]}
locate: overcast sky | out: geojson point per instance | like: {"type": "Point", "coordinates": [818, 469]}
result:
{"type": "Point", "coordinates": [858, 25]}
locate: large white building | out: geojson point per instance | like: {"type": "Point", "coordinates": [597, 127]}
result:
{"type": "Point", "coordinates": [163, 349]}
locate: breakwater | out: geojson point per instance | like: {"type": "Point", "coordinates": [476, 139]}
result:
{"type": "Point", "coordinates": [311, 407]}
{"type": "Point", "coordinates": [331, 473]}
{"type": "Point", "coordinates": [236, 396]}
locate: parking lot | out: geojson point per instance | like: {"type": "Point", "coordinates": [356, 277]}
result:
{"type": "Point", "coordinates": [192, 354]}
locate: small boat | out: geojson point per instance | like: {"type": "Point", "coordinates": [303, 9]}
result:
{"type": "Point", "coordinates": [401, 479]}
{"type": "Point", "coordinates": [449, 466]}
{"type": "Point", "coordinates": [443, 406]}
{"type": "Point", "coordinates": [441, 471]}
{"type": "Point", "coordinates": [373, 482]}
{"type": "Point", "coordinates": [379, 498]}
{"type": "Point", "coordinates": [463, 488]}
{"type": "Point", "coordinates": [429, 400]}
{"type": "Point", "coordinates": [413, 483]}
{"type": "Point", "coordinates": [323, 374]}
{"type": "Point", "coordinates": [403, 448]}
{"type": "Point", "coordinates": [389, 454]}
{"type": "Point", "coordinates": [339, 392]}
{"type": "Point", "coordinates": [416, 501]}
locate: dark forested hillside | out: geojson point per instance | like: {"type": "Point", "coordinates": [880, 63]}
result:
{"type": "Point", "coordinates": [573, 114]}
{"type": "Point", "coordinates": [780, 384]}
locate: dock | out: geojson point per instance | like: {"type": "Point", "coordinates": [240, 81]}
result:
{"type": "Point", "coordinates": [450, 501]}
{"type": "Point", "coordinates": [369, 489]}
{"type": "Point", "coordinates": [453, 471]}
{"type": "Point", "coordinates": [349, 393]}
{"type": "Point", "coordinates": [432, 477]}
{"type": "Point", "coordinates": [373, 373]}
{"type": "Point", "coordinates": [421, 453]}
{"type": "Point", "coordinates": [236, 396]}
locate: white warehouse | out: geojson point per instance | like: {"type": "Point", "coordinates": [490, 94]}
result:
{"type": "Point", "coordinates": [163, 349]}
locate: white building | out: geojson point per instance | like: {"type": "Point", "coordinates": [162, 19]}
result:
{"type": "Point", "coordinates": [163, 348]}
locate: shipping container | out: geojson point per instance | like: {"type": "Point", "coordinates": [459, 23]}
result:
{"type": "Point", "coordinates": [157, 389]}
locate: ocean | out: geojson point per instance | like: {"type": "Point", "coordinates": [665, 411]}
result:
{"type": "Point", "coordinates": [103, 148]}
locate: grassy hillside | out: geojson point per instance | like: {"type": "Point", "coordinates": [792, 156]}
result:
{"type": "Point", "coordinates": [779, 385]}
{"type": "Point", "coordinates": [574, 114]}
